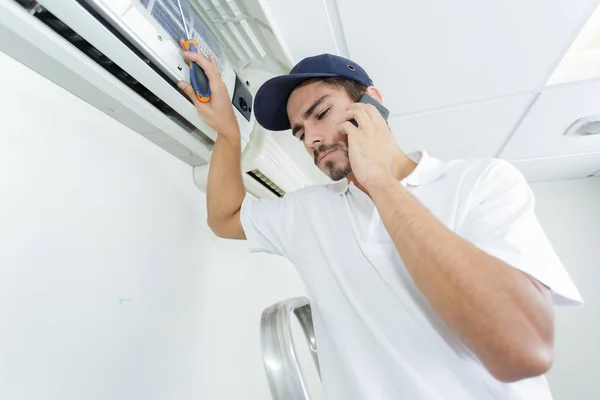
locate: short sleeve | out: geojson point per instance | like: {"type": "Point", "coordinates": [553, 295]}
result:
{"type": "Point", "coordinates": [266, 224]}
{"type": "Point", "coordinates": [501, 221]}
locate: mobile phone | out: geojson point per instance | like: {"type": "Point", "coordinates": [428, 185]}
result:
{"type": "Point", "coordinates": [365, 98]}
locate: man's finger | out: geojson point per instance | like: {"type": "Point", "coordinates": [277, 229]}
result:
{"type": "Point", "coordinates": [377, 119]}
{"type": "Point", "coordinates": [189, 91]}
{"type": "Point", "coordinates": [368, 108]}
{"type": "Point", "coordinates": [359, 115]}
{"type": "Point", "coordinates": [347, 128]}
{"type": "Point", "coordinates": [373, 113]}
{"type": "Point", "coordinates": [203, 63]}
{"type": "Point", "coordinates": [182, 84]}
{"type": "Point", "coordinates": [213, 61]}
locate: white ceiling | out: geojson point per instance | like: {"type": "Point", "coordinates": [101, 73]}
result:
{"type": "Point", "coordinates": [473, 130]}
{"type": "Point", "coordinates": [542, 133]}
{"type": "Point", "coordinates": [440, 53]}
{"type": "Point", "coordinates": [464, 78]}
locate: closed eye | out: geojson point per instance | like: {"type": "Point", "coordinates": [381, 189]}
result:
{"type": "Point", "coordinates": [320, 116]}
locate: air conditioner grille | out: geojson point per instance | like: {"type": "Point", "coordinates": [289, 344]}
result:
{"type": "Point", "coordinates": [266, 182]}
{"type": "Point", "coordinates": [167, 15]}
{"type": "Point", "coordinates": [240, 32]}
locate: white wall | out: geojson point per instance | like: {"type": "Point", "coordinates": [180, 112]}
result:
{"type": "Point", "coordinates": [111, 284]}
{"type": "Point", "coordinates": [569, 211]}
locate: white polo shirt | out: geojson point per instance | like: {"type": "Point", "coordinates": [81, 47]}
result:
{"type": "Point", "coordinates": [377, 337]}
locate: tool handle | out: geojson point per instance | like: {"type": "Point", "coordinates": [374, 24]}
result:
{"type": "Point", "coordinates": [198, 78]}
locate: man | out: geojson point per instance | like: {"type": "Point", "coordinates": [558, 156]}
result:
{"type": "Point", "coordinates": [427, 280]}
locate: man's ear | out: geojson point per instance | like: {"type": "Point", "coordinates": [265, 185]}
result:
{"type": "Point", "coordinates": [375, 93]}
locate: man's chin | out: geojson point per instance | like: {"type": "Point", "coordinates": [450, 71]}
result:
{"type": "Point", "coordinates": [338, 178]}
{"type": "Point", "coordinates": [337, 172]}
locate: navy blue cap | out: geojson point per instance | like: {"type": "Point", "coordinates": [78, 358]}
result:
{"type": "Point", "coordinates": [271, 99]}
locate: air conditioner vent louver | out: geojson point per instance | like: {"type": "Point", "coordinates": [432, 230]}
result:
{"type": "Point", "coordinates": [588, 126]}
{"type": "Point", "coordinates": [266, 182]}
{"type": "Point", "coordinates": [62, 29]}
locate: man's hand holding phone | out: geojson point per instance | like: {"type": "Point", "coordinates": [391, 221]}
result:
{"type": "Point", "coordinates": [370, 142]}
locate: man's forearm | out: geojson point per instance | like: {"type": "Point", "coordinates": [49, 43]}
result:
{"type": "Point", "coordinates": [225, 188]}
{"type": "Point", "coordinates": [496, 310]}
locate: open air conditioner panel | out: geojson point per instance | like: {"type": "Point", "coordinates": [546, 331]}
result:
{"type": "Point", "coordinates": [154, 28]}
{"type": "Point", "coordinates": [121, 56]}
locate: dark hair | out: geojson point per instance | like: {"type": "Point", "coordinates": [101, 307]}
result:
{"type": "Point", "coordinates": [353, 88]}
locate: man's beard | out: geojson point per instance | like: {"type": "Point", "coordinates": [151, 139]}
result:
{"type": "Point", "coordinates": [335, 172]}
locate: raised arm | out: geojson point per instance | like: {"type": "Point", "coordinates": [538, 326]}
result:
{"type": "Point", "coordinates": [225, 189]}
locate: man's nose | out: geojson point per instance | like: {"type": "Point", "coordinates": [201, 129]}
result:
{"type": "Point", "coordinates": [313, 139]}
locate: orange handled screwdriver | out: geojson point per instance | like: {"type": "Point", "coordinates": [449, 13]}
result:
{"type": "Point", "coordinates": [198, 78]}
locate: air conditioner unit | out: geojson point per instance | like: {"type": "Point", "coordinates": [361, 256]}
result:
{"type": "Point", "coordinates": [123, 57]}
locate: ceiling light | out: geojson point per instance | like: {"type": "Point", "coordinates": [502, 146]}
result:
{"type": "Point", "coordinates": [587, 126]}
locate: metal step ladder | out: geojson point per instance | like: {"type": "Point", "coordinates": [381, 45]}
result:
{"type": "Point", "coordinates": [284, 373]}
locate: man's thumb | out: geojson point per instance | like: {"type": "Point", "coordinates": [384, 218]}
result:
{"type": "Point", "coordinates": [182, 84]}
{"type": "Point", "coordinates": [187, 88]}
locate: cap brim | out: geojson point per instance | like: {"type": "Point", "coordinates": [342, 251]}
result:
{"type": "Point", "coordinates": [270, 103]}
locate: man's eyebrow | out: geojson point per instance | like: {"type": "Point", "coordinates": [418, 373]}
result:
{"type": "Point", "coordinates": [316, 104]}
{"type": "Point", "coordinates": [309, 112]}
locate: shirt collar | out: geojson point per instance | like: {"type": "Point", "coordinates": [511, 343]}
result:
{"type": "Point", "coordinates": [428, 170]}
